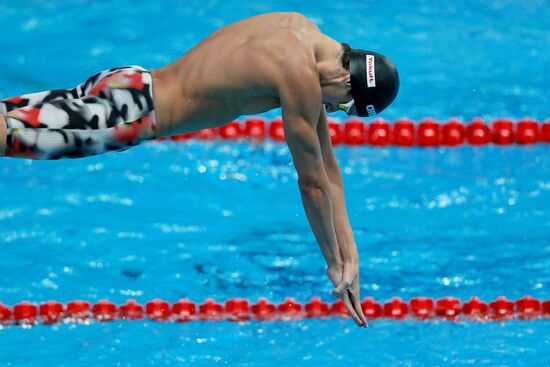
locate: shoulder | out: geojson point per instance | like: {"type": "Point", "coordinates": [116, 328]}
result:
{"type": "Point", "coordinates": [297, 79]}
{"type": "Point", "coordinates": [294, 57]}
{"type": "Point", "coordinates": [298, 82]}
{"type": "Point", "coordinates": [283, 58]}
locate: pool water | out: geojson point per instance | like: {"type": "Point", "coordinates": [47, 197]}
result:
{"type": "Point", "coordinates": [223, 220]}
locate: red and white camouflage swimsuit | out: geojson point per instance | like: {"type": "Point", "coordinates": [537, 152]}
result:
{"type": "Point", "coordinates": [112, 110]}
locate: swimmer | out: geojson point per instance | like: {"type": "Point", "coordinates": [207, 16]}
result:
{"type": "Point", "coordinates": [245, 68]}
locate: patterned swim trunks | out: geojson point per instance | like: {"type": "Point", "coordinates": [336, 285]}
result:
{"type": "Point", "coordinates": [112, 110]}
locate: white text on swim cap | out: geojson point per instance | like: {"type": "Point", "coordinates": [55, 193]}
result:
{"type": "Point", "coordinates": [371, 76]}
{"type": "Point", "coordinates": [371, 111]}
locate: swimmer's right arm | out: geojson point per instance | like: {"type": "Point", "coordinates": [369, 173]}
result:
{"type": "Point", "coordinates": [301, 105]}
{"type": "Point", "coordinates": [299, 119]}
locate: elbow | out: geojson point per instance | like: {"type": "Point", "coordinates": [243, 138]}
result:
{"type": "Point", "coordinates": [312, 186]}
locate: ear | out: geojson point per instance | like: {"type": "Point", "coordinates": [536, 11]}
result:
{"type": "Point", "coordinates": [348, 78]}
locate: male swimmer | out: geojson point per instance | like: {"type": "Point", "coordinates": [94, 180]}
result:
{"type": "Point", "coordinates": [248, 67]}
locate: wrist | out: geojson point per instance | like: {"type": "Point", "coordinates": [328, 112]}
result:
{"type": "Point", "coordinates": [335, 263]}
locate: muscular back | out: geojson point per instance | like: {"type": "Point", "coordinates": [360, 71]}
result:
{"type": "Point", "coordinates": [235, 71]}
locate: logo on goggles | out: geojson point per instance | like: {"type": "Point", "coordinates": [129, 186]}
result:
{"type": "Point", "coordinates": [371, 78]}
{"type": "Point", "coordinates": [346, 107]}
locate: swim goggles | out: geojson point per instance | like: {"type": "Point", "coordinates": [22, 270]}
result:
{"type": "Point", "coordinates": [346, 107]}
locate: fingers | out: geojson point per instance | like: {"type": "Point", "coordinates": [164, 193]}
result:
{"type": "Point", "coordinates": [351, 310]}
{"type": "Point", "coordinates": [341, 289]}
{"type": "Point", "coordinates": [348, 291]}
{"type": "Point", "coordinates": [356, 303]}
{"type": "Point", "coordinates": [349, 275]}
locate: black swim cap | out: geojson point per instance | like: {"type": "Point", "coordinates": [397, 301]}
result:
{"type": "Point", "coordinates": [374, 81]}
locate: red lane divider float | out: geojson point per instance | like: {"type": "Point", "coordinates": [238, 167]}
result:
{"type": "Point", "coordinates": [403, 132]}
{"type": "Point", "coordinates": [419, 308]}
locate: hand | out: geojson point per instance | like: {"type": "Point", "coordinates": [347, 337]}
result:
{"type": "Point", "coordinates": [345, 278]}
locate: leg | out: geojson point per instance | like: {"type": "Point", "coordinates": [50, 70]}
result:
{"type": "Point", "coordinates": [117, 113]}
{"type": "Point", "coordinates": [10, 104]}
{"type": "Point", "coordinates": [72, 129]}
{"type": "Point", "coordinates": [3, 136]}
{"type": "Point", "coordinates": [14, 103]}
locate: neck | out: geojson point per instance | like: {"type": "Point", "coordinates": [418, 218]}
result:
{"type": "Point", "coordinates": [328, 56]}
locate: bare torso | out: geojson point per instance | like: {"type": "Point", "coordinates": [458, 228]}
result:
{"type": "Point", "coordinates": [234, 71]}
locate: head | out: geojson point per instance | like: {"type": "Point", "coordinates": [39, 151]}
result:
{"type": "Point", "coordinates": [368, 84]}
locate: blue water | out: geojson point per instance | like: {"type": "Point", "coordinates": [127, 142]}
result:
{"type": "Point", "coordinates": [224, 220]}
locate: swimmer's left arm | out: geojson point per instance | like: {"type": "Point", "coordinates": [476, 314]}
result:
{"type": "Point", "coordinates": [342, 227]}
{"type": "Point", "coordinates": [341, 220]}
{"type": "Point", "coordinates": [297, 86]}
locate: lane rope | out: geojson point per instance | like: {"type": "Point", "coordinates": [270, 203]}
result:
{"type": "Point", "coordinates": [403, 132]}
{"type": "Point", "coordinates": [237, 309]}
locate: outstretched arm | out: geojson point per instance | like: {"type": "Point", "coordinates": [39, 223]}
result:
{"type": "Point", "coordinates": [301, 104]}
{"type": "Point", "coordinates": [347, 275]}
